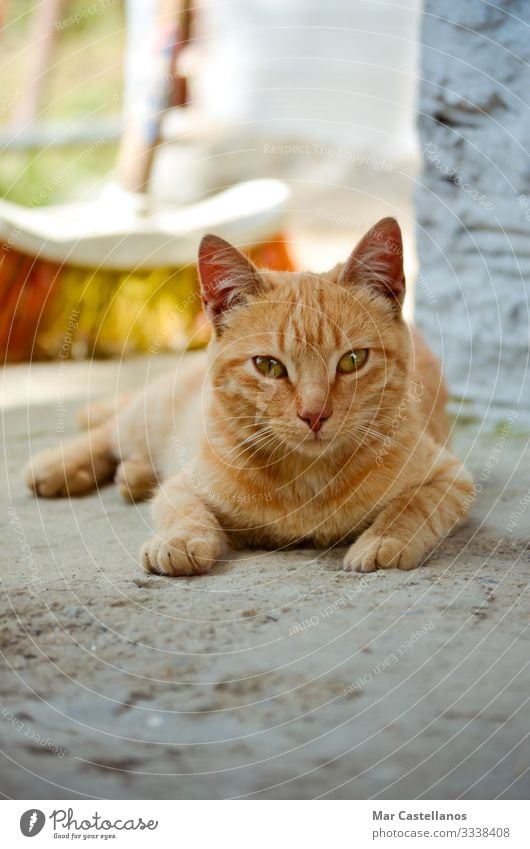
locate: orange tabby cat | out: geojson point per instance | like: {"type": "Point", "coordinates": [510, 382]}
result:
{"type": "Point", "coordinates": [316, 417]}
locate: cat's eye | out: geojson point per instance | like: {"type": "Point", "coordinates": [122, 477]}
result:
{"type": "Point", "coordinates": [352, 361]}
{"type": "Point", "coordinates": [270, 367]}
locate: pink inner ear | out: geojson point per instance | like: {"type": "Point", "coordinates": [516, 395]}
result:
{"type": "Point", "coordinates": [226, 275]}
{"type": "Point", "coordinates": [378, 260]}
{"type": "Point", "coordinates": [212, 269]}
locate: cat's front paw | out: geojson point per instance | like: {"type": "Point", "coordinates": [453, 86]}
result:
{"type": "Point", "coordinates": [372, 552]}
{"type": "Point", "coordinates": [183, 552]}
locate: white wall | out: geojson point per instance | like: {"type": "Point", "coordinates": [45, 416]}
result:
{"type": "Point", "coordinates": [337, 72]}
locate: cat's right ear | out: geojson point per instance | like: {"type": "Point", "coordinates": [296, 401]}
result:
{"type": "Point", "coordinates": [227, 277]}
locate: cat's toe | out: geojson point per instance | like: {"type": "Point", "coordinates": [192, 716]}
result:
{"type": "Point", "coordinates": [361, 556]}
{"type": "Point", "coordinates": [394, 553]}
{"type": "Point", "coordinates": [389, 552]}
{"type": "Point", "coordinates": [385, 552]}
{"type": "Point", "coordinates": [179, 556]}
{"type": "Point", "coordinates": [202, 554]}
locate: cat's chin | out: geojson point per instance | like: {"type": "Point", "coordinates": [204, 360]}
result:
{"type": "Point", "coordinates": [316, 445]}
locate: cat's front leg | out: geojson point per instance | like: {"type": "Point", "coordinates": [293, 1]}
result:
{"type": "Point", "coordinates": [409, 527]}
{"type": "Point", "coordinates": [188, 538]}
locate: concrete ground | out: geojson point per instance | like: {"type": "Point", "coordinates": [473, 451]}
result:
{"type": "Point", "coordinates": [277, 675]}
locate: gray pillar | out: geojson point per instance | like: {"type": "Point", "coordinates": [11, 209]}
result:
{"type": "Point", "coordinates": [473, 202]}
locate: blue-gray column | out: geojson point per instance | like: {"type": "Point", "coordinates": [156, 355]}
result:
{"type": "Point", "coordinates": [473, 202]}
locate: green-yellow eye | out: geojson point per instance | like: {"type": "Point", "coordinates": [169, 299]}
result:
{"type": "Point", "coordinates": [270, 367]}
{"type": "Point", "coordinates": [352, 361]}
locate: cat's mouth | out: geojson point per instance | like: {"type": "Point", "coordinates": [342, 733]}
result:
{"type": "Point", "coordinates": [315, 440]}
{"type": "Point", "coordinates": [307, 440]}
{"type": "Point", "coordinates": [317, 436]}
{"type": "Point", "coordinates": [326, 440]}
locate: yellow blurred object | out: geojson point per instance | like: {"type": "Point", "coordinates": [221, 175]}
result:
{"type": "Point", "coordinates": [55, 304]}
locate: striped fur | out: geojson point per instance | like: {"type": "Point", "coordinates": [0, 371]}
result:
{"type": "Point", "coordinates": [236, 464]}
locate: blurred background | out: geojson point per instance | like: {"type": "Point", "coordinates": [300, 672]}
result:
{"type": "Point", "coordinates": [135, 113]}
{"type": "Point", "coordinates": [341, 76]}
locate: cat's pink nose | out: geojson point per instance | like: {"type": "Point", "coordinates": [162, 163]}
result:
{"type": "Point", "coordinates": [314, 418]}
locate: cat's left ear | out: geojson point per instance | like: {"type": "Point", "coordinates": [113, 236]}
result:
{"type": "Point", "coordinates": [226, 277]}
{"type": "Point", "coordinates": [377, 261]}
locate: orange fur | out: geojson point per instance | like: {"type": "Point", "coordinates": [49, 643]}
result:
{"type": "Point", "coordinates": [238, 464]}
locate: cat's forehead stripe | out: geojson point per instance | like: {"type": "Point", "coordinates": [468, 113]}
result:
{"type": "Point", "coordinates": [303, 316]}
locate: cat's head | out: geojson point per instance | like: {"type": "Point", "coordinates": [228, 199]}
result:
{"type": "Point", "coordinates": [314, 362]}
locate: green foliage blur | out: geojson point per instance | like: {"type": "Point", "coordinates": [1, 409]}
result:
{"type": "Point", "coordinates": [82, 87]}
